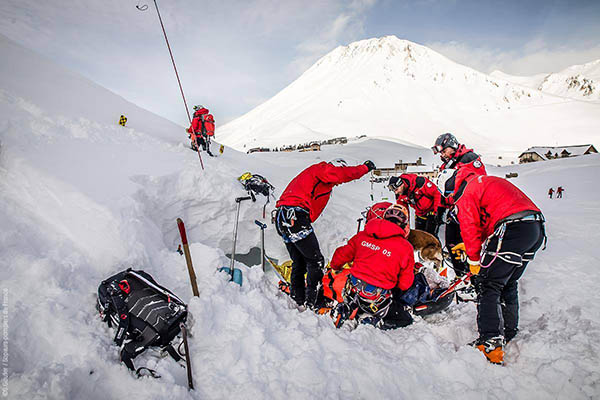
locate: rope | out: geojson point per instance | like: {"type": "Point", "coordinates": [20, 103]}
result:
{"type": "Point", "coordinates": [177, 75]}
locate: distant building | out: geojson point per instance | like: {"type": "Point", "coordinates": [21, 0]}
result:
{"type": "Point", "coordinates": [258, 150]}
{"type": "Point", "coordinates": [313, 146]}
{"type": "Point", "coordinates": [413, 168]}
{"type": "Point", "coordinates": [533, 154]}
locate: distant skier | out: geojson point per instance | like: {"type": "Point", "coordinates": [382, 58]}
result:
{"type": "Point", "coordinates": [382, 261]}
{"type": "Point", "coordinates": [454, 156]}
{"type": "Point", "coordinates": [299, 206]}
{"type": "Point", "coordinates": [202, 129]}
{"type": "Point", "coordinates": [500, 223]}
{"type": "Point", "coordinates": [422, 195]}
{"type": "Point", "coordinates": [559, 192]}
{"type": "Point", "coordinates": [550, 192]}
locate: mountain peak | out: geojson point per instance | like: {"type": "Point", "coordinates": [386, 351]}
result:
{"type": "Point", "coordinates": [388, 47]}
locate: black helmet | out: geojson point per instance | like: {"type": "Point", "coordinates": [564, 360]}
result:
{"type": "Point", "coordinates": [394, 183]}
{"type": "Point", "coordinates": [443, 141]}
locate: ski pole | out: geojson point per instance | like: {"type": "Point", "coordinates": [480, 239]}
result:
{"type": "Point", "coordinates": [262, 242]}
{"type": "Point", "coordinates": [188, 358]}
{"type": "Point", "coordinates": [238, 200]}
{"type": "Point", "coordinates": [188, 257]}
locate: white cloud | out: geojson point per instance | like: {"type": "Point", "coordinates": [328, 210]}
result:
{"type": "Point", "coordinates": [345, 26]}
{"type": "Point", "coordinates": [534, 57]}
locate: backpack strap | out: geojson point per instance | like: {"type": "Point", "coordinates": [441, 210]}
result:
{"type": "Point", "coordinates": [135, 347]}
{"type": "Point", "coordinates": [173, 353]}
{"type": "Point", "coordinates": [118, 302]}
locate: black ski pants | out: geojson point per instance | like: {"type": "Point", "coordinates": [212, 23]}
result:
{"type": "Point", "coordinates": [397, 316]}
{"type": "Point", "coordinates": [498, 304]}
{"type": "Point", "coordinates": [452, 238]}
{"type": "Point", "coordinates": [427, 223]}
{"type": "Point", "coordinates": [306, 259]}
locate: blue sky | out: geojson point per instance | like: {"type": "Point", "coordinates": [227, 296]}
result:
{"type": "Point", "coordinates": [233, 55]}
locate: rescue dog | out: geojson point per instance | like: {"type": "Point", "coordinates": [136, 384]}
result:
{"type": "Point", "coordinates": [427, 245]}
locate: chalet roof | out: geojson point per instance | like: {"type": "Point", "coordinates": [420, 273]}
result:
{"type": "Point", "coordinates": [576, 150]}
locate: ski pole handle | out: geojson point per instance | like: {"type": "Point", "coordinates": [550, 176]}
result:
{"type": "Point", "coordinates": [238, 199]}
{"type": "Point", "coordinates": [260, 224]}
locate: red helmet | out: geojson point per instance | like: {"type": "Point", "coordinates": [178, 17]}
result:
{"type": "Point", "coordinates": [377, 210]}
{"type": "Point", "coordinates": [398, 214]}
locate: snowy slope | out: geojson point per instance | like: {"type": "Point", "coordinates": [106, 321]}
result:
{"type": "Point", "coordinates": [396, 88]}
{"type": "Point", "coordinates": [83, 198]}
{"type": "Point", "coordinates": [581, 82]}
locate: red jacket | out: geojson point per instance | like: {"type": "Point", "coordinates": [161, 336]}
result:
{"type": "Point", "coordinates": [464, 156]}
{"type": "Point", "coordinates": [486, 200]}
{"type": "Point", "coordinates": [422, 194]}
{"type": "Point", "coordinates": [381, 256]}
{"type": "Point", "coordinates": [196, 126]}
{"type": "Point", "coordinates": [311, 189]}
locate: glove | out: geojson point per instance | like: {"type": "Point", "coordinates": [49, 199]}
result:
{"type": "Point", "coordinates": [459, 252]}
{"type": "Point", "coordinates": [370, 165]}
{"type": "Point", "coordinates": [474, 266]}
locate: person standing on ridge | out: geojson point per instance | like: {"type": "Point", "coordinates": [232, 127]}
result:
{"type": "Point", "coordinates": [197, 131]}
{"type": "Point", "coordinates": [422, 195]}
{"type": "Point", "coordinates": [300, 204]}
{"type": "Point", "coordinates": [550, 192]}
{"type": "Point", "coordinates": [454, 156]}
{"type": "Point", "coordinates": [502, 230]}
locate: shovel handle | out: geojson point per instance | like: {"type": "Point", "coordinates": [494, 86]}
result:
{"type": "Point", "coordinates": [260, 224]}
{"type": "Point", "coordinates": [238, 199]}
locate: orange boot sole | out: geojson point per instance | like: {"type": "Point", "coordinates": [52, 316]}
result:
{"type": "Point", "coordinates": [495, 356]}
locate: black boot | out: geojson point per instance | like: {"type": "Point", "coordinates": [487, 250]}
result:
{"type": "Point", "coordinates": [311, 297]}
{"type": "Point", "coordinates": [298, 295]}
{"type": "Point", "coordinates": [509, 334]}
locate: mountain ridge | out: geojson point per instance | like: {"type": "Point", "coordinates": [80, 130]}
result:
{"type": "Point", "coordinates": [393, 87]}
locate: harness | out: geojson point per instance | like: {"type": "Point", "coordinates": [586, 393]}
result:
{"type": "Point", "coordinates": [509, 256]}
{"type": "Point", "coordinates": [369, 298]}
{"type": "Point", "coordinates": [286, 218]}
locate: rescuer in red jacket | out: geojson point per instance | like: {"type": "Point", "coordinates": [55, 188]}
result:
{"type": "Point", "coordinates": [454, 156]}
{"type": "Point", "coordinates": [500, 224]}
{"type": "Point", "coordinates": [197, 130]}
{"type": "Point", "coordinates": [382, 260]}
{"type": "Point", "coordinates": [422, 195]}
{"type": "Point", "coordinates": [300, 204]}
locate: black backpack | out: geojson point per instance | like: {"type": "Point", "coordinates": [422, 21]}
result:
{"type": "Point", "coordinates": [257, 184]}
{"type": "Point", "coordinates": [143, 313]}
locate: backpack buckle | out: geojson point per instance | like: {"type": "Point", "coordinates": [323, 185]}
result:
{"type": "Point", "coordinates": [124, 285]}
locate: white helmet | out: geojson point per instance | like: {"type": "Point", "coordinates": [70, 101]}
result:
{"type": "Point", "coordinates": [339, 162]}
{"type": "Point", "coordinates": [445, 181]}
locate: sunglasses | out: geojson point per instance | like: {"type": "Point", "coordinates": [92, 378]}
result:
{"type": "Point", "coordinates": [437, 149]}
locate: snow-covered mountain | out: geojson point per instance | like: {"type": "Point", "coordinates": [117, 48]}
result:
{"type": "Point", "coordinates": [82, 198]}
{"type": "Point", "coordinates": [581, 82]}
{"type": "Point", "coordinates": [399, 89]}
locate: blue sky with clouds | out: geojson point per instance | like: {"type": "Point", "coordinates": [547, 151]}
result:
{"type": "Point", "coordinates": [233, 55]}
